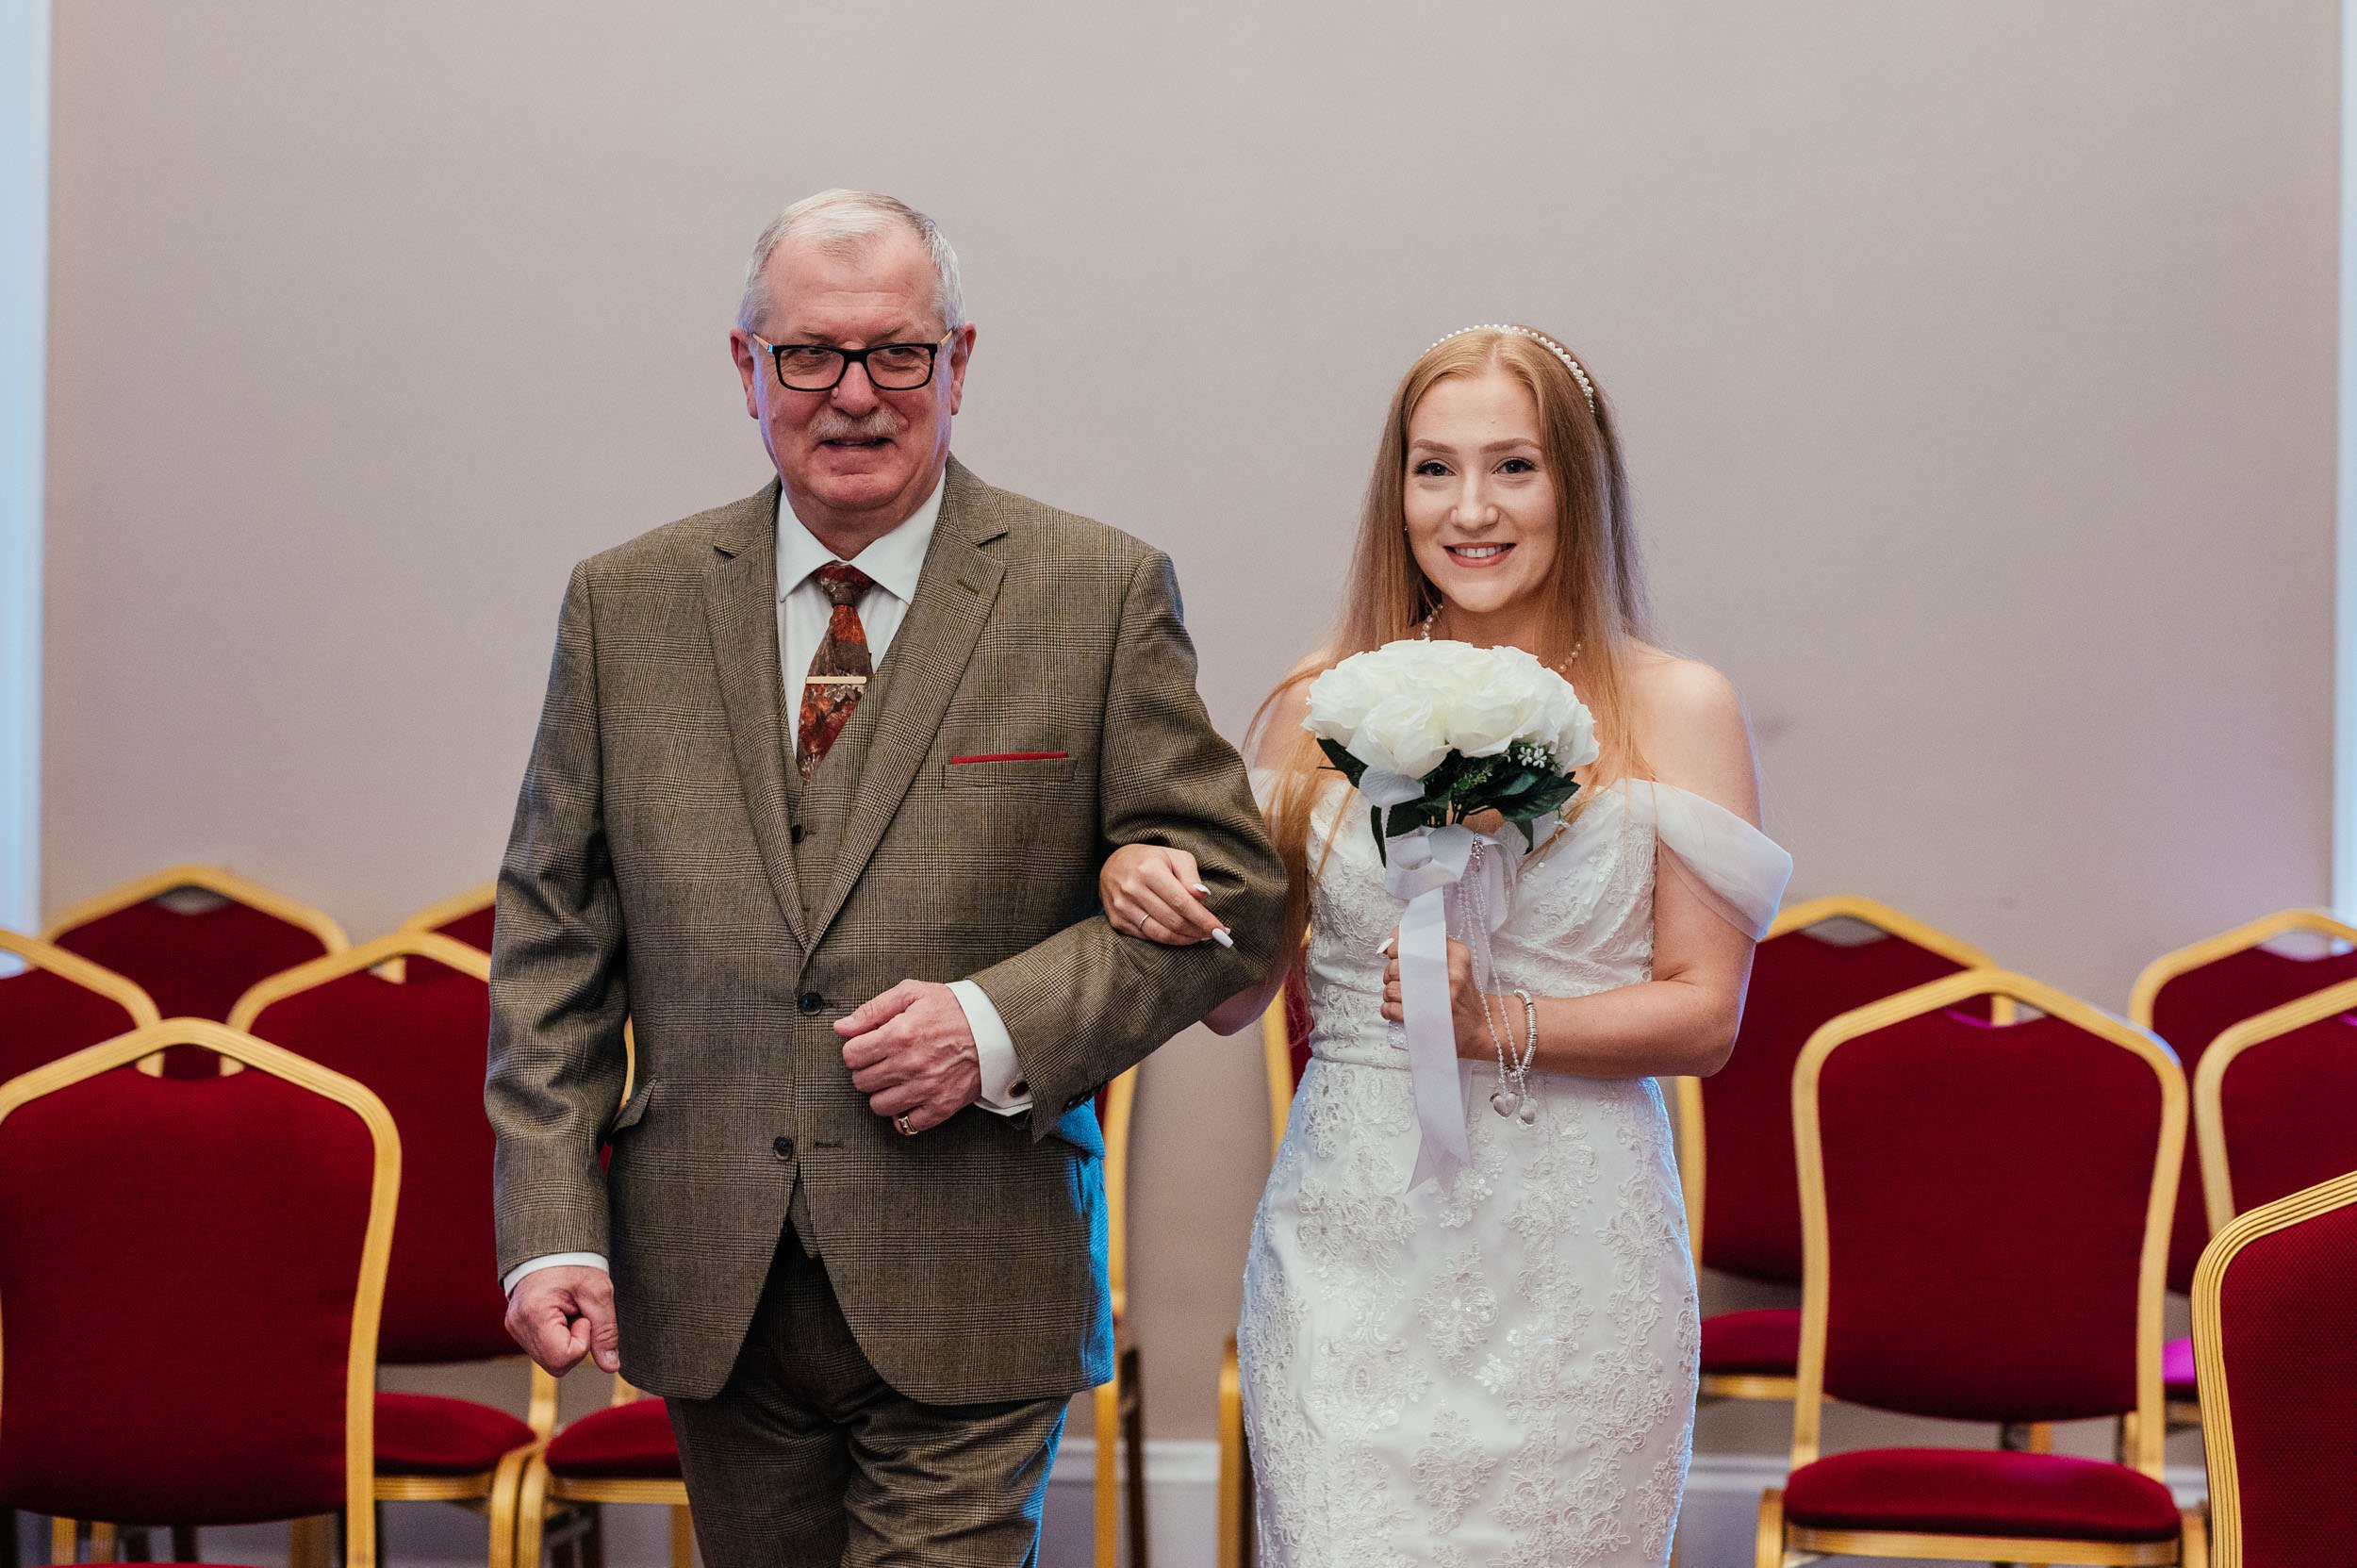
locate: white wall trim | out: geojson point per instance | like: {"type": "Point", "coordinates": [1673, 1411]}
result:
{"type": "Point", "coordinates": [24, 70]}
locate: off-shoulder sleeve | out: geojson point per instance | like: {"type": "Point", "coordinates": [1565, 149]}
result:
{"type": "Point", "coordinates": [1739, 870]}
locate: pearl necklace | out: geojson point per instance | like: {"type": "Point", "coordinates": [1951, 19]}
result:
{"type": "Point", "coordinates": [1563, 666]}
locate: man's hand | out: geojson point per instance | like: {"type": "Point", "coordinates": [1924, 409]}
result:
{"type": "Point", "coordinates": [912, 1053]}
{"type": "Point", "coordinates": [561, 1313]}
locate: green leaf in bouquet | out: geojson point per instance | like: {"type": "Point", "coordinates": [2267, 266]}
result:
{"type": "Point", "coordinates": [1409, 817]}
{"type": "Point", "coordinates": [1543, 797]}
{"type": "Point", "coordinates": [1340, 755]}
{"type": "Point", "coordinates": [1375, 823]}
{"type": "Point", "coordinates": [1509, 786]}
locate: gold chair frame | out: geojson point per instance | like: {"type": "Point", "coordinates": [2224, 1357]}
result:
{"type": "Point", "coordinates": [495, 1491]}
{"type": "Point", "coordinates": [84, 973]}
{"type": "Point", "coordinates": [443, 911]}
{"type": "Point", "coordinates": [2209, 1084]}
{"type": "Point", "coordinates": [212, 879]}
{"type": "Point", "coordinates": [1691, 1144]}
{"type": "Point", "coordinates": [360, 1548]}
{"type": "Point", "coordinates": [2209, 1351]}
{"type": "Point", "coordinates": [2196, 955]}
{"type": "Point", "coordinates": [538, 1489]}
{"type": "Point", "coordinates": [1120, 1405]}
{"type": "Point", "coordinates": [1781, 1545]}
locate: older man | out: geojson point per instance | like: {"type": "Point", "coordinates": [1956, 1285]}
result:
{"type": "Point", "coordinates": [819, 795]}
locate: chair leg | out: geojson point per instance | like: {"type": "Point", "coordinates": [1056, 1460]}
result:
{"type": "Point", "coordinates": [65, 1541]}
{"type": "Point", "coordinates": [184, 1549]}
{"type": "Point", "coordinates": [1769, 1552]}
{"type": "Point", "coordinates": [1108, 1471]}
{"type": "Point", "coordinates": [1133, 1442]}
{"type": "Point", "coordinates": [592, 1547]}
{"type": "Point", "coordinates": [683, 1537]}
{"type": "Point", "coordinates": [2195, 1550]}
{"type": "Point", "coordinates": [10, 1557]}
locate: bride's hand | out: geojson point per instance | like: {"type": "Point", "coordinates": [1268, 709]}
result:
{"type": "Point", "coordinates": [1154, 892]}
{"type": "Point", "coordinates": [1464, 999]}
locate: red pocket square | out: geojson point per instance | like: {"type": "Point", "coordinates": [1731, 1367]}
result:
{"type": "Point", "coordinates": [1012, 756]}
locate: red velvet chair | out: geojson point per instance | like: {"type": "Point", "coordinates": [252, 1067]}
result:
{"type": "Point", "coordinates": [1734, 1128]}
{"type": "Point", "coordinates": [1285, 1056]}
{"type": "Point", "coordinates": [195, 964]}
{"type": "Point", "coordinates": [2187, 997]}
{"type": "Point", "coordinates": [190, 1274]}
{"type": "Point", "coordinates": [2278, 1379]}
{"type": "Point", "coordinates": [2275, 1103]}
{"type": "Point", "coordinates": [58, 1004]}
{"type": "Point", "coordinates": [417, 1035]}
{"type": "Point", "coordinates": [624, 1453]}
{"type": "Point", "coordinates": [462, 918]}
{"type": "Point", "coordinates": [1985, 1221]}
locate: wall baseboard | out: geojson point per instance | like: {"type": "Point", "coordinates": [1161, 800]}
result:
{"type": "Point", "coordinates": [1181, 1477]}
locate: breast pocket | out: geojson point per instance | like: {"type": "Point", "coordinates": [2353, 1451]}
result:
{"type": "Point", "coordinates": [1006, 770]}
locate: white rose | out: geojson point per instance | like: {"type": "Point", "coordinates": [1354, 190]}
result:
{"type": "Point", "coordinates": [1404, 732]}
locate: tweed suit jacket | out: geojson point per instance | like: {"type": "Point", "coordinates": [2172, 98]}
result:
{"type": "Point", "coordinates": [655, 873]}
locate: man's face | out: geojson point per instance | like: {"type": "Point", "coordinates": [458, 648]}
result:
{"type": "Point", "coordinates": [856, 460]}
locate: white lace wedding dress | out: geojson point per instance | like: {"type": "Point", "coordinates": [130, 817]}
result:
{"type": "Point", "coordinates": [1496, 1368]}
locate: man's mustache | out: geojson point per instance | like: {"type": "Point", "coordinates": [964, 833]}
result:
{"type": "Point", "coordinates": [881, 425]}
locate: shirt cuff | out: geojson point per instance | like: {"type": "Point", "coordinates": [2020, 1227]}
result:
{"type": "Point", "coordinates": [552, 1260]}
{"type": "Point", "coordinates": [1003, 1089]}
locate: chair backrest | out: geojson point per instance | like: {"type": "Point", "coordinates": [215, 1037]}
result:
{"type": "Point", "coordinates": [462, 917]}
{"type": "Point", "coordinates": [1734, 1128]}
{"type": "Point", "coordinates": [419, 1044]}
{"type": "Point", "coordinates": [58, 1002]}
{"type": "Point", "coordinates": [190, 1278]}
{"type": "Point", "coordinates": [2188, 997]}
{"type": "Point", "coordinates": [2275, 1103]}
{"type": "Point", "coordinates": [195, 964]}
{"type": "Point", "coordinates": [1285, 1046]}
{"type": "Point", "coordinates": [2278, 1369]}
{"type": "Point", "coordinates": [1984, 1209]}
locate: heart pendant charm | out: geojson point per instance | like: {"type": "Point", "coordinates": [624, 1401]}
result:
{"type": "Point", "coordinates": [1504, 1102]}
{"type": "Point", "coordinates": [1529, 1113]}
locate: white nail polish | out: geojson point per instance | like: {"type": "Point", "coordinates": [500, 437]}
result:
{"type": "Point", "coordinates": [1222, 937]}
{"type": "Point", "coordinates": [1200, 888]}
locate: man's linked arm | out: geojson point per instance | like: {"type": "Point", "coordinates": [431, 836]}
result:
{"type": "Point", "coordinates": [558, 994]}
{"type": "Point", "coordinates": [1088, 1002]}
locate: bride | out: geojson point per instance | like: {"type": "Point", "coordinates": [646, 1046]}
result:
{"type": "Point", "coordinates": [1496, 1367]}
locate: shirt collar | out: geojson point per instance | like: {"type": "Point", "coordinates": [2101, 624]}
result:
{"type": "Point", "coordinates": [894, 562]}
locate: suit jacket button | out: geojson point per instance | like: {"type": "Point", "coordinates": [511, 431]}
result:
{"type": "Point", "coordinates": [784, 1147]}
{"type": "Point", "coordinates": [810, 1001]}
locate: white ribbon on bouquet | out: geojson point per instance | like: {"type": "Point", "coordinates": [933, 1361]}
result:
{"type": "Point", "coordinates": [1438, 871]}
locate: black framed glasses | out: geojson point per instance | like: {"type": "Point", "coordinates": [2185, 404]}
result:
{"type": "Point", "coordinates": [820, 366]}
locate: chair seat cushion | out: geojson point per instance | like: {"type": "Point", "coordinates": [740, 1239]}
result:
{"type": "Point", "coordinates": [1963, 1491]}
{"type": "Point", "coordinates": [1766, 1342]}
{"type": "Point", "coordinates": [2177, 1369]}
{"type": "Point", "coordinates": [632, 1441]}
{"type": "Point", "coordinates": [425, 1434]}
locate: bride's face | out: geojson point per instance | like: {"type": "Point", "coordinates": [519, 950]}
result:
{"type": "Point", "coordinates": [1480, 504]}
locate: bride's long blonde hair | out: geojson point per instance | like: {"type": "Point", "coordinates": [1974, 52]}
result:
{"type": "Point", "coordinates": [1594, 594]}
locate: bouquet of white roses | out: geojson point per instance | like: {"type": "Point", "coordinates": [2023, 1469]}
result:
{"type": "Point", "coordinates": [1432, 733]}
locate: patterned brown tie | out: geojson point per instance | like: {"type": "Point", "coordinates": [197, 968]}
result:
{"type": "Point", "coordinates": [839, 670]}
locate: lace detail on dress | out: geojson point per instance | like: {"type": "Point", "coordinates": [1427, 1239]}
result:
{"type": "Point", "coordinates": [1499, 1366]}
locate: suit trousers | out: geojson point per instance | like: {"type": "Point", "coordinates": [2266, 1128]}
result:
{"type": "Point", "coordinates": [807, 1457]}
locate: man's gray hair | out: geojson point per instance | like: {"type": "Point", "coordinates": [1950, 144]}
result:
{"type": "Point", "coordinates": [845, 223]}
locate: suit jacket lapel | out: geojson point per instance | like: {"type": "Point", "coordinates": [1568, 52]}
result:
{"type": "Point", "coordinates": [741, 610]}
{"type": "Point", "coordinates": [920, 673]}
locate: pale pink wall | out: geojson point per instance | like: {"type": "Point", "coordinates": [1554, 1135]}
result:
{"type": "Point", "coordinates": [1976, 363]}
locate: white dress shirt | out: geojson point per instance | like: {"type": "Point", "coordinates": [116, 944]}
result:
{"type": "Point", "coordinates": [893, 563]}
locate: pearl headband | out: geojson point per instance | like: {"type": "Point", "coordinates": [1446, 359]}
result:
{"type": "Point", "coordinates": [1586, 390]}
